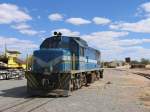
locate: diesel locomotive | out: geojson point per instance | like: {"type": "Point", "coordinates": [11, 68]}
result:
{"type": "Point", "coordinates": [63, 64]}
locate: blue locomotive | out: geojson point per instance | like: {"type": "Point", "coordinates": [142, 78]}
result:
{"type": "Point", "coordinates": [63, 64]}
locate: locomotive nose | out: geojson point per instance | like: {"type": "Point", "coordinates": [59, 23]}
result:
{"type": "Point", "coordinates": [50, 61]}
{"type": "Point", "coordinates": [48, 71]}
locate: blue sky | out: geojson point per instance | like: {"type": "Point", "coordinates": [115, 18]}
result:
{"type": "Point", "coordinates": [118, 28]}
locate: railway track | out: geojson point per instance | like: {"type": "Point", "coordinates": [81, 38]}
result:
{"type": "Point", "coordinates": [28, 105]}
{"type": "Point", "coordinates": [38, 106]}
{"type": "Point", "coordinates": [20, 103]}
{"type": "Point", "coordinates": [143, 74]}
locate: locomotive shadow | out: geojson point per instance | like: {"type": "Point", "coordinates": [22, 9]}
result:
{"type": "Point", "coordinates": [21, 92]}
{"type": "Point", "coordinates": [16, 92]}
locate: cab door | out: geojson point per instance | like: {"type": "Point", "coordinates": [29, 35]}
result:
{"type": "Point", "coordinates": [73, 61]}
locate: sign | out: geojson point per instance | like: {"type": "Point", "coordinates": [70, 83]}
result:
{"type": "Point", "coordinates": [127, 60]}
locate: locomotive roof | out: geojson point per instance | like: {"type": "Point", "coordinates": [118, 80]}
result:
{"type": "Point", "coordinates": [83, 43]}
{"type": "Point", "coordinates": [78, 40]}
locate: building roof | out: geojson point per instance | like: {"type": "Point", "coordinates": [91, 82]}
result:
{"type": "Point", "coordinates": [13, 52]}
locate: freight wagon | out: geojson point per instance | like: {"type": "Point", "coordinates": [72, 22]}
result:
{"type": "Point", "coordinates": [63, 64]}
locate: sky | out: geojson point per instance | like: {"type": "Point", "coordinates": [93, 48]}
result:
{"type": "Point", "coordinates": [118, 28]}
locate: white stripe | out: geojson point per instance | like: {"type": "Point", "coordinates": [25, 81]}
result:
{"type": "Point", "coordinates": [83, 59]}
{"type": "Point", "coordinates": [92, 61]}
{"type": "Point", "coordinates": [66, 58]}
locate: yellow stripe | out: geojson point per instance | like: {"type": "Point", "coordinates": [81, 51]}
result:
{"type": "Point", "coordinates": [31, 80]}
{"type": "Point", "coordinates": [34, 80]}
{"type": "Point", "coordinates": [30, 84]}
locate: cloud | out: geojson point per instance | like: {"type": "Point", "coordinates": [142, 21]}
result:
{"type": "Point", "coordinates": [146, 6]}
{"type": "Point", "coordinates": [136, 52]}
{"type": "Point", "coordinates": [106, 42]}
{"type": "Point", "coordinates": [143, 10]}
{"type": "Point", "coordinates": [10, 13]}
{"type": "Point", "coordinates": [109, 34]}
{"type": "Point", "coordinates": [21, 26]}
{"type": "Point", "coordinates": [104, 39]}
{"type": "Point", "coordinates": [55, 17]}
{"type": "Point", "coordinates": [66, 32]}
{"type": "Point", "coordinates": [101, 21]}
{"type": "Point", "coordinates": [29, 32]}
{"type": "Point", "coordinates": [113, 45]}
{"type": "Point", "coordinates": [25, 29]}
{"type": "Point", "coordinates": [142, 26]}
{"type": "Point", "coordinates": [17, 44]}
{"type": "Point", "coordinates": [78, 21]}
{"type": "Point", "coordinates": [132, 42]}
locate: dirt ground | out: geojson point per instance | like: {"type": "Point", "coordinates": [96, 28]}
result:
{"type": "Point", "coordinates": [145, 93]}
{"type": "Point", "coordinates": [119, 91]}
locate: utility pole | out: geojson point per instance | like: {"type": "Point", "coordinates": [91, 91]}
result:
{"type": "Point", "coordinates": [27, 62]}
{"type": "Point", "coordinates": [5, 50]}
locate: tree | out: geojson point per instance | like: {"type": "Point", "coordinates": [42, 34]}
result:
{"type": "Point", "coordinates": [135, 62]}
{"type": "Point", "coordinates": [145, 61]}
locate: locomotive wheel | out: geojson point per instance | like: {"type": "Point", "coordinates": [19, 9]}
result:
{"type": "Point", "coordinates": [98, 75]}
{"type": "Point", "coordinates": [93, 77]}
{"type": "Point", "coordinates": [79, 81]}
{"type": "Point", "coordinates": [79, 85]}
{"type": "Point", "coordinates": [71, 85]}
{"type": "Point", "coordinates": [82, 80]}
{"type": "Point", "coordinates": [74, 84]}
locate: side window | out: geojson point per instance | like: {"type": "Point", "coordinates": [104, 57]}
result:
{"type": "Point", "coordinates": [87, 59]}
{"type": "Point", "coordinates": [81, 51]}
